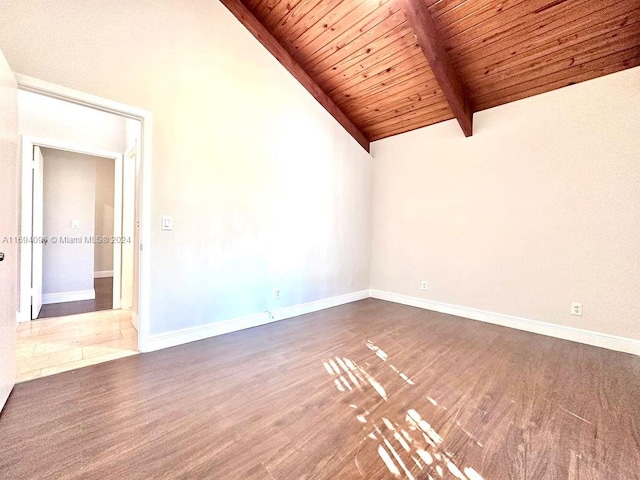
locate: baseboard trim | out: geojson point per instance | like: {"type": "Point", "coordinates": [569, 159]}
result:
{"type": "Point", "coordinates": [588, 337]}
{"type": "Point", "coordinates": [48, 298]}
{"type": "Point", "coordinates": [103, 274]}
{"type": "Point", "coordinates": [192, 334]}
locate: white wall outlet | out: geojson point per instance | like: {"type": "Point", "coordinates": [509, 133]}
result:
{"type": "Point", "coordinates": [167, 223]}
{"type": "Point", "coordinates": [276, 293]}
{"type": "Point", "coordinates": [75, 223]}
{"type": "Point", "coordinates": [576, 309]}
{"type": "Point", "coordinates": [423, 285]}
{"type": "Point", "coordinates": [350, 280]}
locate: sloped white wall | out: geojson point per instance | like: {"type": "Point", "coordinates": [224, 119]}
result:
{"type": "Point", "coordinates": [265, 189]}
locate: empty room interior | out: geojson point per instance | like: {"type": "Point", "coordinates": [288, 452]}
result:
{"type": "Point", "coordinates": [343, 239]}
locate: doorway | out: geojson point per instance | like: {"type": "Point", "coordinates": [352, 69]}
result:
{"type": "Point", "coordinates": [76, 222]}
{"type": "Point", "coordinates": [64, 326]}
{"type": "Point", "coordinates": [80, 223]}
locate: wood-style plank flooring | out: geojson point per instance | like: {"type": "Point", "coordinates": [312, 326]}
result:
{"type": "Point", "coordinates": [103, 301]}
{"type": "Point", "coordinates": [368, 390]}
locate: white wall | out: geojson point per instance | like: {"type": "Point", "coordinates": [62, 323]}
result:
{"type": "Point", "coordinates": [69, 194]}
{"type": "Point", "coordinates": [49, 118]}
{"type": "Point", "coordinates": [540, 208]}
{"type": "Point", "coordinates": [104, 186]}
{"type": "Point", "coordinates": [265, 189]}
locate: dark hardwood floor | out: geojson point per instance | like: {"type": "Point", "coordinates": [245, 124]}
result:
{"type": "Point", "coordinates": [367, 390]}
{"type": "Point", "coordinates": [103, 301]}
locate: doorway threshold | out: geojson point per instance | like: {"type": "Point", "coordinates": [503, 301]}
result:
{"type": "Point", "coordinates": [53, 345]}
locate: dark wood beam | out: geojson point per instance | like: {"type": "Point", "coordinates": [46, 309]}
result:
{"type": "Point", "coordinates": [277, 50]}
{"type": "Point", "coordinates": [421, 22]}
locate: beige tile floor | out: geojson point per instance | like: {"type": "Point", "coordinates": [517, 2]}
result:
{"type": "Point", "coordinates": [55, 345]}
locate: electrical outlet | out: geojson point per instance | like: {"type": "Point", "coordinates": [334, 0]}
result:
{"type": "Point", "coordinates": [423, 285]}
{"type": "Point", "coordinates": [350, 280]}
{"type": "Point", "coordinates": [276, 293]}
{"type": "Point", "coordinates": [576, 309]}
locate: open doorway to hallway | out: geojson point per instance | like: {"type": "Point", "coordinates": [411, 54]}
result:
{"type": "Point", "coordinates": [78, 223]}
{"type": "Point", "coordinates": [80, 208]}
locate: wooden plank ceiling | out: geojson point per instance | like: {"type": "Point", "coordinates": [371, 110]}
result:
{"type": "Point", "coordinates": [364, 55]}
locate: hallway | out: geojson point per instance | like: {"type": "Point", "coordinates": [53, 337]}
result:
{"type": "Point", "coordinates": [103, 301]}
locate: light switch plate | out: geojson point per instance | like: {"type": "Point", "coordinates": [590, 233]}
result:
{"type": "Point", "coordinates": [167, 223]}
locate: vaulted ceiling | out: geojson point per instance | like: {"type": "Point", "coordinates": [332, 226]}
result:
{"type": "Point", "coordinates": [384, 67]}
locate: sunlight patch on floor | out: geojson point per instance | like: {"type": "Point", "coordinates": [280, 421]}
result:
{"type": "Point", "coordinates": [410, 447]}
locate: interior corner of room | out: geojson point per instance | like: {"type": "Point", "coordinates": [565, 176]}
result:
{"type": "Point", "coordinates": [532, 213]}
{"type": "Point", "coordinates": [397, 238]}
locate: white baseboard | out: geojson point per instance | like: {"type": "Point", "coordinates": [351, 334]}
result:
{"type": "Point", "coordinates": [103, 274]}
{"type": "Point", "coordinates": [611, 342]}
{"type": "Point", "coordinates": [22, 317]}
{"type": "Point", "coordinates": [192, 334]}
{"type": "Point", "coordinates": [186, 335]}
{"type": "Point", "coordinates": [48, 298]}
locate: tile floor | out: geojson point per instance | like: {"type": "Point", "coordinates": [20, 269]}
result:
{"type": "Point", "coordinates": [60, 344]}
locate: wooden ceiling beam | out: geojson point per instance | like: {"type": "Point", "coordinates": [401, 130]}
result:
{"type": "Point", "coordinates": [258, 30]}
{"type": "Point", "coordinates": [421, 22]}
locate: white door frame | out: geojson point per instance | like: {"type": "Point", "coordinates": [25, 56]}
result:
{"type": "Point", "coordinates": [28, 142]}
{"type": "Point", "coordinates": [34, 185]}
{"type": "Point", "coordinates": [128, 285]}
{"type": "Point", "coordinates": [143, 196]}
